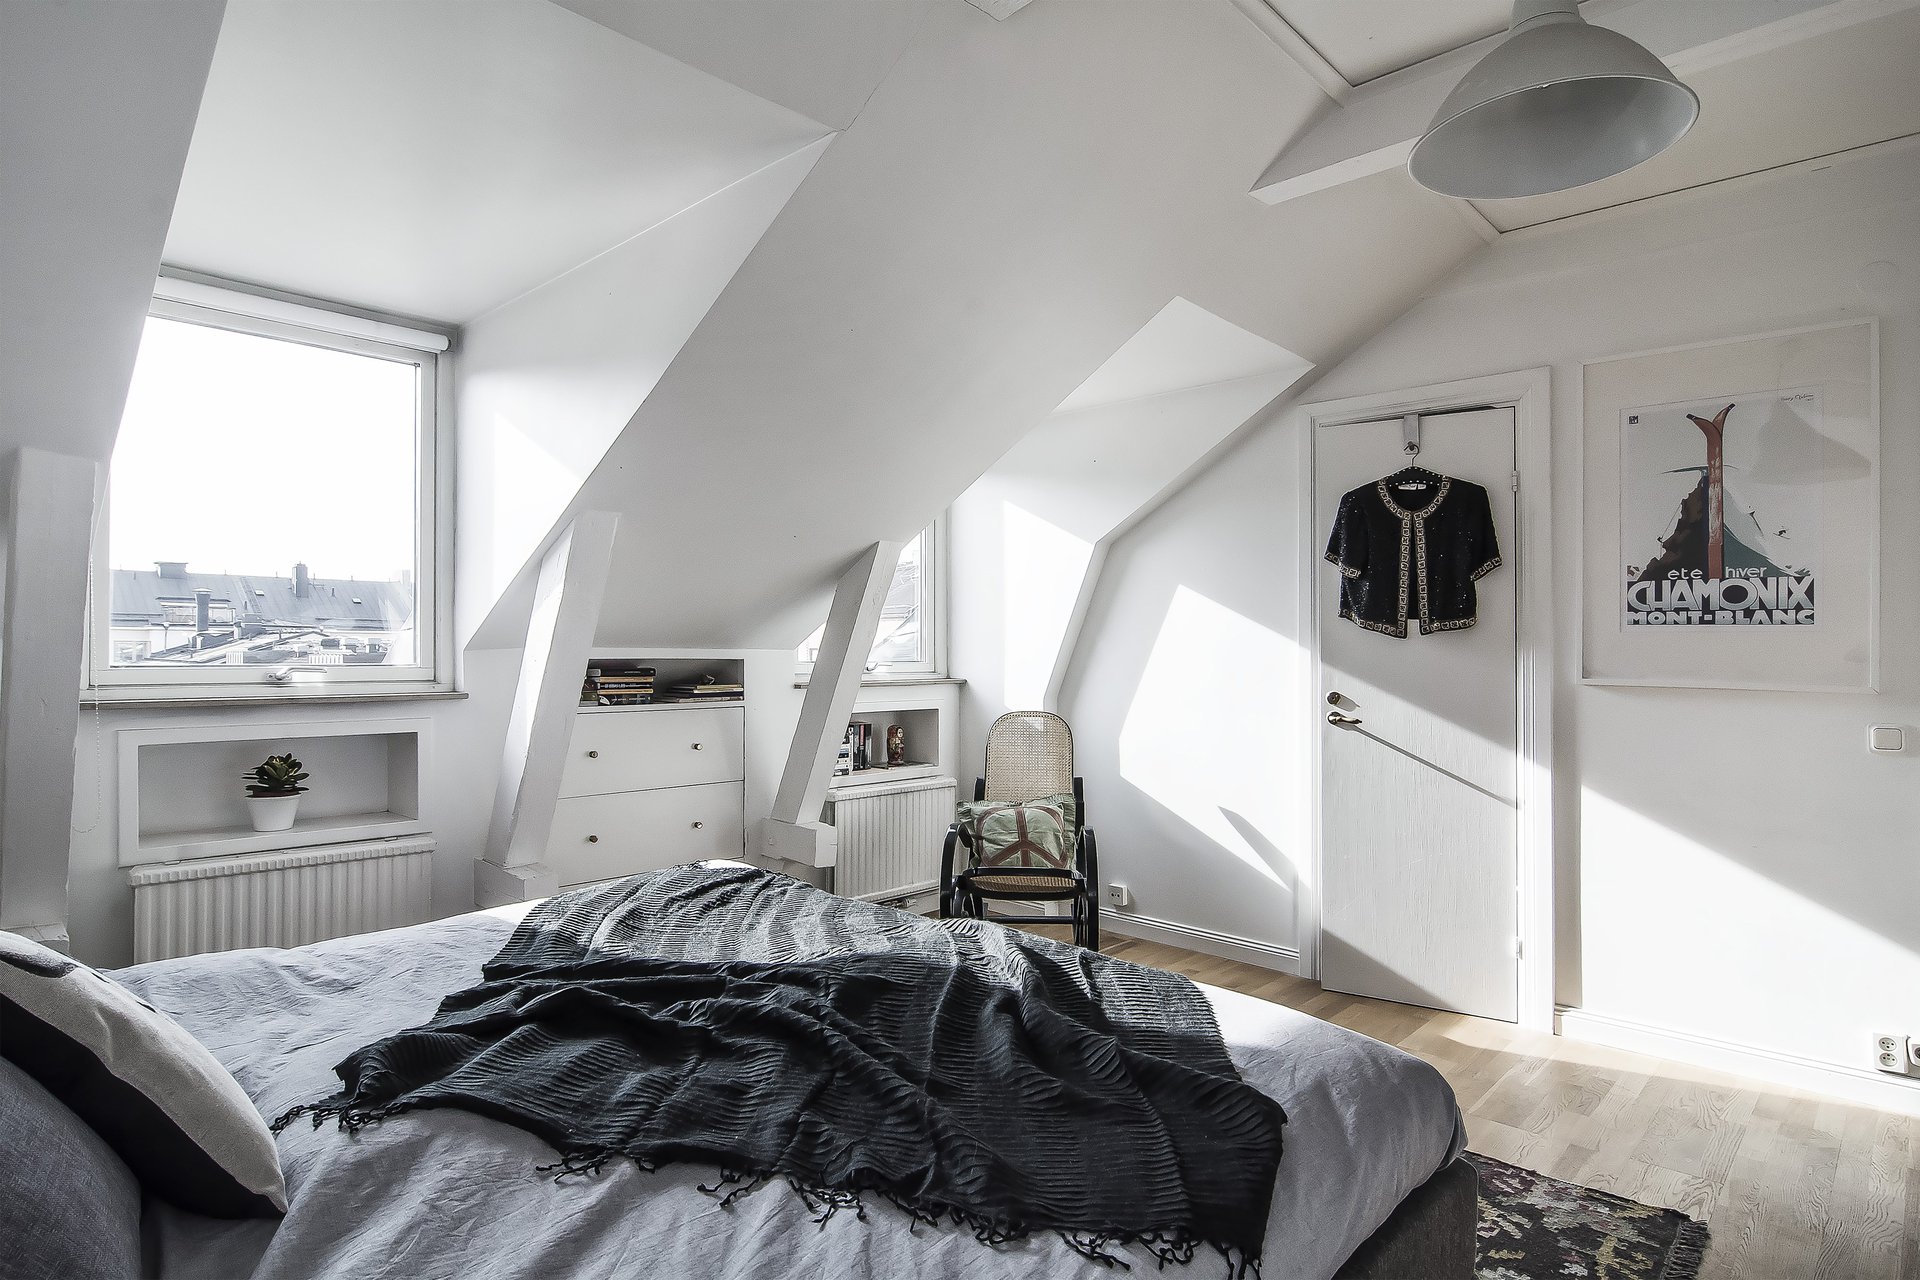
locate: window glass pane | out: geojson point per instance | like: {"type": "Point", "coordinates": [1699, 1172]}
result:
{"type": "Point", "coordinates": [262, 505]}
{"type": "Point", "coordinates": [899, 638]}
{"type": "Point", "coordinates": [902, 637]}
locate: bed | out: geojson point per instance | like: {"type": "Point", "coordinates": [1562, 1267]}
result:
{"type": "Point", "coordinates": [1369, 1185]}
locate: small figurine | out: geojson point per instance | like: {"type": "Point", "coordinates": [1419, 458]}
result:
{"type": "Point", "coordinates": [896, 746]}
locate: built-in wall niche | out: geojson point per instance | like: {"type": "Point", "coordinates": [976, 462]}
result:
{"type": "Point", "coordinates": [183, 794]}
{"type": "Point", "coordinates": [920, 729]}
{"type": "Point", "coordinates": [623, 674]}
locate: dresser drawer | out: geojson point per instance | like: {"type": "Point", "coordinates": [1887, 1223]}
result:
{"type": "Point", "coordinates": [640, 750]}
{"type": "Point", "coordinates": [604, 837]}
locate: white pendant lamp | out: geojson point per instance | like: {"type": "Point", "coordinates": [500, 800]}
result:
{"type": "Point", "coordinates": [1558, 104]}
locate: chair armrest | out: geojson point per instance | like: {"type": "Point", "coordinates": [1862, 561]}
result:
{"type": "Point", "coordinates": [946, 870]}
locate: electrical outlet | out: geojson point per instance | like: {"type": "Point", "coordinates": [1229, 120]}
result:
{"type": "Point", "coordinates": [1913, 1051]}
{"type": "Point", "coordinates": [1890, 1052]}
{"type": "Point", "coordinates": [1118, 896]}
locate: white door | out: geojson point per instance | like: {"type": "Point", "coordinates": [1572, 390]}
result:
{"type": "Point", "coordinates": [1419, 766]}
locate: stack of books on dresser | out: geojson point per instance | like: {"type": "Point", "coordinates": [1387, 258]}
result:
{"type": "Point", "coordinates": [705, 689]}
{"type": "Point", "coordinates": [631, 687]}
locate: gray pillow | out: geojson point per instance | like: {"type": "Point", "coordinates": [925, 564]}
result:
{"type": "Point", "coordinates": [152, 1092]}
{"type": "Point", "coordinates": [68, 1206]}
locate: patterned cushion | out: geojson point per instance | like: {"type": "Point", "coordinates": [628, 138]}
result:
{"type": "Point", "coordinates": [149, 1090]}
{"type": "Point", "coordinates": [1003, 833]}
{"type": "Point", "coordinates": [68, 1205]}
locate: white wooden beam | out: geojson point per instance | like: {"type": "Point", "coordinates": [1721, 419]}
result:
{"type": "Point", "coordinates": [1296, 46]}
{"type": "Point", "coordinates": [1375, 128]}
{"type": "Point", "coordinates": [42, 666]}
{"type": "Point", "coordinates": [793, 832]}
{"type": "Point", "coordinates": [566, 609]}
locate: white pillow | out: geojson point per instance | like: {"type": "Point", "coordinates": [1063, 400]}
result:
{"type": "Point", "coordinates": [149, 1089]}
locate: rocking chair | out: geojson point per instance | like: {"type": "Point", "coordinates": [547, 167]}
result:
{"type": "Point", "coordinates": [1029, 758]}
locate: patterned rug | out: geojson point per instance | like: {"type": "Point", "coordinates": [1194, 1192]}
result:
{"type": "Point", "coordinates": [1533, 1227]}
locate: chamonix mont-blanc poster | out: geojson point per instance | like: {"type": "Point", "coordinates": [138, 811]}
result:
{"type": "Point", "coordinates": [1731, 516]}
{"type": "Point", "coordinates": [1716, 530]}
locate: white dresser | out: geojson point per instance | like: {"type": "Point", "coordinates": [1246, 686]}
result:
{"type": "Point", "coordinates": [648, 787]}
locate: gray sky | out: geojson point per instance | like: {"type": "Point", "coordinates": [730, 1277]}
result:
{"type": "Point", "coordinates": [211, 412]}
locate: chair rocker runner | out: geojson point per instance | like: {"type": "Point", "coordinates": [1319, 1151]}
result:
{"type": "Point", "coordinates": [1025, 836]}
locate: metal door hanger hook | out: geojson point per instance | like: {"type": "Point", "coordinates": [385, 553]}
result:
{"type": "Point", "coordinates": [1410, 432]}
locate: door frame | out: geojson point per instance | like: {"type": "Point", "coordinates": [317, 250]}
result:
{"type": "Point", "coordinates": [1528, 392]}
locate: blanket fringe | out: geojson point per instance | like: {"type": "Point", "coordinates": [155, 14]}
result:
{"type": "Point", "coordinates": [351, 1118]}
{"type": "Point", "coordinates": [1167, 1248]}
{"type": "Point", "coordinates": [1175, 1248]}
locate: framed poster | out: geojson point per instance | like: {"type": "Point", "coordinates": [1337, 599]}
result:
{"type": "Point", "coordinates": [1732, 513]}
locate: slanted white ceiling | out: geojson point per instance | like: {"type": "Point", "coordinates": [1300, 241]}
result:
{"type": "Point", "coordinates": [1183, 346]}
{"type": "Point", "coordinates": [823, 58]}
{"type": "Point", "coordinates": [1832, 92]}
{"type": "Point", "coordinates": [439, 157]}
{"type": "Point", "coordinates": [1014, 202]}
{"type": "Point", "coordinates": [1367, 39]}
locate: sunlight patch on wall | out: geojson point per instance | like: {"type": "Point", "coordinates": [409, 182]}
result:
{"type": "Point", "coordinates": [1042, 567]}
{"type": "Point", "coordinates": [1663, 918]}
{"type": "Point", "coordinates": [540, 482]}
{"type": "Point", "coordinates": [1209, 733]}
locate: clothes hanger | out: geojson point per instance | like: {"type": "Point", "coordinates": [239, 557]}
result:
{"type": "Point", "coordinates": [1413, 472]}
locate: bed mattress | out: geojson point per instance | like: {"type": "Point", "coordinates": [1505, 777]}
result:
{"type": "Point", "coordinates": [449, 1194]}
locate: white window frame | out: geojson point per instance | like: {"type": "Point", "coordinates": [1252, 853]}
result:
{"type": "Point", "coordinates": [933, 604]}
{"type": "Point", "coordinates": [312, 324]}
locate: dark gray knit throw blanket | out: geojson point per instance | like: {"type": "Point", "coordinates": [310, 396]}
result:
{"type": "Point", "coordinates": [962, 1071]}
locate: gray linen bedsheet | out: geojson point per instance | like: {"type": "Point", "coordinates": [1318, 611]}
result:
{"type": "Point", "coordinates": [448, 1194]}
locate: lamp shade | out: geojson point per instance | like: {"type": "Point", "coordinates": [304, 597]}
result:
{"type": "Point", "coordinates": [1558, 104]}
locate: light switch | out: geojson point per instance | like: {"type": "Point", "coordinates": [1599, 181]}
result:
{"type": "Point", "coordinates": [1887, 738]}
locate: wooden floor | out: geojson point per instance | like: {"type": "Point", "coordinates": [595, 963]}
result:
{"type": "Point", "coordinates": [1792, 1185]}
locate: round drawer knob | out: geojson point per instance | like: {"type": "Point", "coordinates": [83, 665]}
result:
{"type": "Point", "coordinates": [698, 825]}
{"type": "Point", "coordinates": [699, 746]}
{"type": "Point", "coordinates": [593, 839]}
{"type": "Point", "coordinates": [593, 755]}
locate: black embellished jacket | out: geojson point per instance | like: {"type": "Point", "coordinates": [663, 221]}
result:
{"type": "Point", "coordinates": [1405, 551]}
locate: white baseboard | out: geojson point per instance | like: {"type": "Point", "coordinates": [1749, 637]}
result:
{"type": "Point", "coordinates": [1859, 1085]}
{"type": "Point", "coordinates": [1228, 946]}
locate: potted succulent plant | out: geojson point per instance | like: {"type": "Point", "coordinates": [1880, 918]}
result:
{"type": "Point", "coordinates": [273, 792]}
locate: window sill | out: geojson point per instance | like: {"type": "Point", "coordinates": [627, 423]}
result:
{"type": "Point", "coordinates": [891, 682]}
{"type": "Point", "coordinates": [120, 699]}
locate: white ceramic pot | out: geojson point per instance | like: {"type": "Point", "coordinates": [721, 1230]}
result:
{"type": "Point", "coordinates": [273, 813]}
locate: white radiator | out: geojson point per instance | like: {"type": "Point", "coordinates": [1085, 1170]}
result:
{"type": "Point", "coordinates": [890, 835]}
{"type": "Point", "coordinates": [285, 898]}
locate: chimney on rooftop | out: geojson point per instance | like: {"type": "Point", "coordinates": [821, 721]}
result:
{"type": "Point", "coordinates": [172, 568]}
{"type": "Point", "coordinates": [302, 582]}
{"type": "Point", "coordinates": [202, 611]}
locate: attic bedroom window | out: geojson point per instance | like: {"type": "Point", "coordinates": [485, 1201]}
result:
{"type": "Point", "coordinates": [909, 641]}
{"type": "Point", "coordinates": [270, 517]}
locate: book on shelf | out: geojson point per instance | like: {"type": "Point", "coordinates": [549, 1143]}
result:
{"type": "Point", "coordinates": [705, 689]}
{"type": "Point", "coordinates": [858, 743]}
{"type": "Point", "coordinates": [625, 687]}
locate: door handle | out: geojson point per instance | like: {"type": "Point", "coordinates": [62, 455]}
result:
{"type": "Point", "coordinates": [1334, 717]}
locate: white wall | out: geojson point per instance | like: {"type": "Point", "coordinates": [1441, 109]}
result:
{"type": "Point", "coordinates": [547, 381]}
{"type": "Point", "coordinates": [1184, 702]}
{"type": "Point", "coordinates": [1732, 865]}
{"type": "Point", "coordinates": [1027, 540]}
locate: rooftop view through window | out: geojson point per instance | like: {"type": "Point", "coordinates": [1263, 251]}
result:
{"type": "Point", "coordinates": [262, 505]}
